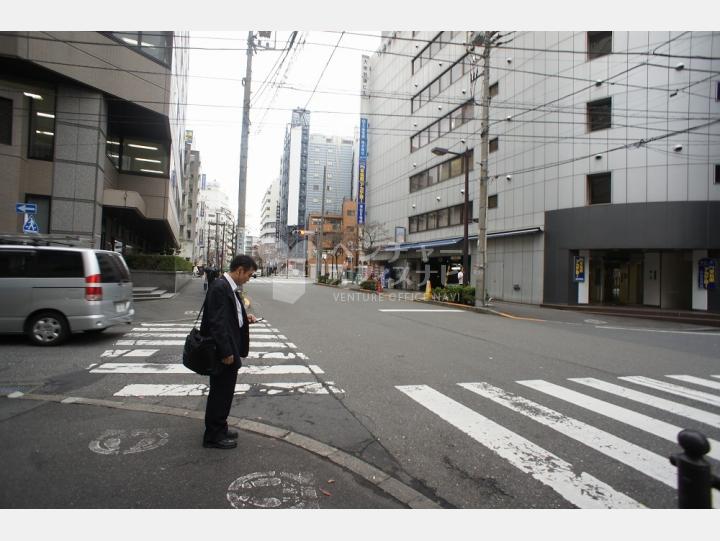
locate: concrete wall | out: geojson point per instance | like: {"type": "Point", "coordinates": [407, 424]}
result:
{"type": "Point", "coordinates": [170, 281]}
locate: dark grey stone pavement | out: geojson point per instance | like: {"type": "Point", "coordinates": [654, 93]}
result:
{"type": "Point", "coordinates": [60, 452]}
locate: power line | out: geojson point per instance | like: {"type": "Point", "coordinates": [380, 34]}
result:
{"type": "Point", "coordinates": [323, 70]}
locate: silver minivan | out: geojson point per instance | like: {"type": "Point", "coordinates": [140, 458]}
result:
{"type": "Point", "coordinates": [49, 292]}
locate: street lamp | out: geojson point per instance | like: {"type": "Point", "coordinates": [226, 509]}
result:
{"type": "Point", "coordinates": [439, 151]}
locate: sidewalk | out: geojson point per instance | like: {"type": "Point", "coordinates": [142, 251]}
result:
{"type": "Point", "coordinates": [64, 452]}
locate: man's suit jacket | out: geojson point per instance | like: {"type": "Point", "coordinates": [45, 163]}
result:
{"type": "Point", "coordinates": [220, 320]}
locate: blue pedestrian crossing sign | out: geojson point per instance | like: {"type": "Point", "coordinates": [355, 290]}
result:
{"type": "Point", "coordinates": [30, 225]}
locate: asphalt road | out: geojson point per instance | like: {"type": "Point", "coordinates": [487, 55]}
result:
{"type": "Point", "coordinates": [471, 410]}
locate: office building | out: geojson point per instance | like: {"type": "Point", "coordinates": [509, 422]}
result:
{"type": "Point", "coordinates": [92, 128]}
{"type": "Point", "coordinates": [603, 173]}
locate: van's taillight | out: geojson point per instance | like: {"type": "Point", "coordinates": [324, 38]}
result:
{"type": "Point", "coordinates": [93, 290]}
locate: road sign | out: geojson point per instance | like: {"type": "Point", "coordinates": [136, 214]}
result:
{"type": "Point", "coordinates": [30, 225]}
{"type": "Point", "coordinates": [23, 208]}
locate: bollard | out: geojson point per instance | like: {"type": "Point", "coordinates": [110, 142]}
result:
{"type": "Point", "coordinates": [695, 478]}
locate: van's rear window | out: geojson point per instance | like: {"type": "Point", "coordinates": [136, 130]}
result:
{"type": "Point", "coordinates": [111, 268]}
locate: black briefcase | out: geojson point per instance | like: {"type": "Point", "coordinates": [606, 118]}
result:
{"type": "Point", "coordinates": [200, 353]}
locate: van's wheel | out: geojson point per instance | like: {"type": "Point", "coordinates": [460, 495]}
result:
{"type": "Point", "coordinates": [47, 329]}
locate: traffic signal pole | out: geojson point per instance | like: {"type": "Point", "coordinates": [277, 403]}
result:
{"type": "Point", "coordinates": [319, 237]}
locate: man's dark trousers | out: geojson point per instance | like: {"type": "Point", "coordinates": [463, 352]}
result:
{"type": "Point", "coordinates": [219, 402]}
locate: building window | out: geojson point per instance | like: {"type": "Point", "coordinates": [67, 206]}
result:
{"type": "Point", "coordinates": [492, 201]}
{"type": "Point", "coordinates": [440, 173]}
{"type": "Point", "coordinates": [494, 143]}
{"type": "Point", "coordinates": [443, 81]}
{"type": "Point", "coordinates": [599, 114]}
{"type": "Point", "coordinates": [156, 45]}
{"type": "Point", "coordinates": [494, 89]}
{"type": "Point", "coordinates": [450, 121]}
{"type": "Point", "coordinates": [717, 173]}
{"type": "Point", "coordinates": [599, 189]}
{"type": "Point", "coordinates": [350, 213]}
{"type": "Point", "coordinates": [42, 126]}
{"type": "Point", "coordinates": [6, 112]}
{"type": "Point", "coordinates": [717, 91]}
{"type": "Point", "coordinates": [138, 156]}
{"type": "Point", "coordinates": [598, 44]}
{"type": "Point", "coordinates": [316, 187]}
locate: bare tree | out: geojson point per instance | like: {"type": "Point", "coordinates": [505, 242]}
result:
{"type": "Point", "coordinates": [374, 235]}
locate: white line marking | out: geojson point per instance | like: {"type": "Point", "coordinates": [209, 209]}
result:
{"type": "Point", "coordinates": [698, 381]}
{"type": "Point", "coordinates": [416, 310]}
{"type": "Point", "coordinates": [175, 368]}
{"type": "Point", "coordinates": [141, 353]}
{"type": "Point", "coordinates": [114, 352]}
{"type": "Point", "coordinates": [156, 334]}
{"type": "Point", "coordinates": [651, 464]}
{"type": "Point", "coordinates": [271, 345]}
{"type": "Point", "coordinates": [582, 490]}
{"type": "Point", "coordinates": [678, 390]}
{"type": "Point", "coordinates": [188, 328]}
{"type": "Point", "coordinates": [307, 387]}
{"type": "Point", "coordinates": [682, 410]}
{"type": "Point", "coordinates": [713, 334]}
{"type": "Point", "coordinates": [642, 422]}
{"type": "Point", "coordinates": [276, 355]}
{"type": "Point", "coordinates": [150, 343]}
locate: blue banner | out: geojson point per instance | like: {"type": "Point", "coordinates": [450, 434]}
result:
{"type": "Point", "coordinates": [362, 165]}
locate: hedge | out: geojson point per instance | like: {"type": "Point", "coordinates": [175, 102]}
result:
{"type": "Point", "coordinates": [369, 284]}
{"type": "Point", "coordinates": [158, 262]}
{"type": "Point", "coordinates": [455, 293]}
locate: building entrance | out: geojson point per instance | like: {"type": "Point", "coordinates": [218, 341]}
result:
{"type": "Point", "coordinates": [616, 277]}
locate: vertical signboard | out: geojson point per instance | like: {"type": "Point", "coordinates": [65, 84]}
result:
{"type": "Point", "coordinates": [579, 268]}
{"type": "Point", "coordinates": [362, 164]}
{"type": "Point", "coordinates": [706, 273]}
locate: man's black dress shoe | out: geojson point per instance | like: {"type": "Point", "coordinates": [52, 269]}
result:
{"type": "Point", "coordinates": [225, 443]}
{"type": "Point", "coordinates": [232, 434]}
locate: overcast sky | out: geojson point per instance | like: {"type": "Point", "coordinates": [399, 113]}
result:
{"type": "Point", "coordinates": [215, 97]}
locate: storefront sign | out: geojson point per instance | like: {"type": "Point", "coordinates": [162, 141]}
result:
{"type": "Point", "coordinates": [707, 273]}
{"type": "Point", "coordinates": [399, 234]}
{"type": "Point", "coordinates": [579, 268]}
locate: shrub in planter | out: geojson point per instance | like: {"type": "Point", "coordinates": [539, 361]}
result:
{"type": "Point", "coordinates": [156, 262]}
{"type": "Point", "coordinates": [369, 284]}
{"type": "Point", "coordinates": [336, 282]}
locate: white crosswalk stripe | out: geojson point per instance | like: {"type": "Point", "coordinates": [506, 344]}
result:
{"type": "Point", "coordinates": [651, 464]}
{"type": "Point", "coordinates": [643, 455]}
{"type": "Point", "coordinates": [698, 381]}
{"type": "Point", "coordinates": [582, 490]}
{"type": "Point", "coordinates": [300, 387]}
{"type": "Point", "coordinates": [671, 388]}
{"type": "Point", "coordinates": [682, 410]}
{"type": "Point", "coordinates": [267, 345]}
{"type": "Point", "coordinates": [177, 368]}
{"type": "Point", "coordinates": [636, 420]}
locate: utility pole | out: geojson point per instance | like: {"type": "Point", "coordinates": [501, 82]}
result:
{"type": "Point", "coordinates": [319, 236]}
{"type": "Point", "coordinates": [222, 252]}
{"type": "Point", "coordinates": [242, 181]}
{"type": "Point", "coordinates": [485, 39]}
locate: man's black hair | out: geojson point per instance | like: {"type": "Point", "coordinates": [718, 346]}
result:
{"type": "Point", "coordinates": [244, 261]}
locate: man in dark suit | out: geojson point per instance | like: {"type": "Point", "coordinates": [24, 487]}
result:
{"type": "Point", "coordinates": [226, 320]}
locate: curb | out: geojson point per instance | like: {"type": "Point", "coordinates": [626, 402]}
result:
{"type": "Point", "coordinates": [391, 486]}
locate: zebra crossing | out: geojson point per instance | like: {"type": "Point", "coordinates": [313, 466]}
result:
{"type": "Point", "coordinates": [271, 356]}
{"type": "Point", "coordinates": [559, 473]}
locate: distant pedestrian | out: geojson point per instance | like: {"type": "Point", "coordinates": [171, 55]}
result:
{"type": "Point", "coordinates": [227, 322]}
{"type": "Point", "coordinates": [460, 276]}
